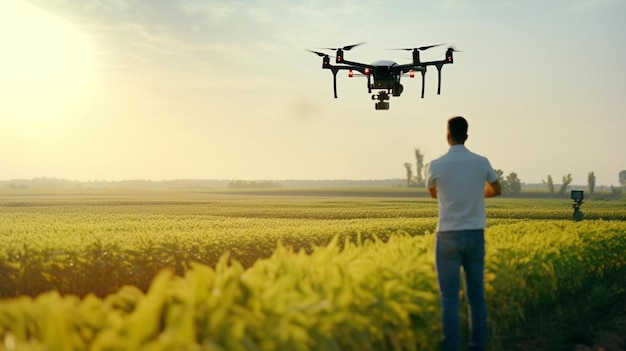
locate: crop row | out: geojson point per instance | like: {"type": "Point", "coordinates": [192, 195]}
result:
{"type": "Point", "coordinates": [82, 253]}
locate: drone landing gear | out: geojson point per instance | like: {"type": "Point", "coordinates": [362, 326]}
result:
{"type": "Point", "coordinates": [381, 97]}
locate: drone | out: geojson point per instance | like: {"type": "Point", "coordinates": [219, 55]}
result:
{"type": "Point", "coordinates": [384, 75]}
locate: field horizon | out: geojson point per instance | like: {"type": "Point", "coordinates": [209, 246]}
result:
{"type": "Point", "coordinates": [178, 183]}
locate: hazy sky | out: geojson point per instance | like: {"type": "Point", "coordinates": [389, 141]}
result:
{"type": "Point", "coordinates": [217, 89]}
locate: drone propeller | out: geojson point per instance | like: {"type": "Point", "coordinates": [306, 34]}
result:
{"type": "Point", "coordinates": [453, 49]}
{"type": "Point", "coordinates": [320, 54]}
{"type": "Point", "coordinates": [421, 48]}
{"type": "Point", "coordinates": [348, 47]}
{"type": "Point", "coordinates": [345, 48]}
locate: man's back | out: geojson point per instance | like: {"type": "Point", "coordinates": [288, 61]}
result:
{"type": "Point", "coordinates": [460, 177]}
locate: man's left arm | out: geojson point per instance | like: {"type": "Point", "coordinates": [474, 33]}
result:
{"type": "Point", "coordinates": [492, 184]}
{"type": "Point", "coordinates": [493, 189]}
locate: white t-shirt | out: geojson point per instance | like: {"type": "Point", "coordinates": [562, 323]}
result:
{"type": "Point", "coordinates": [460, 177]}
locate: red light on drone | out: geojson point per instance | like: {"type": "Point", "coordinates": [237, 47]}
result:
{"type": "Point", "coordinates": [367, 71]}
{"type": "Point", "coordinates": [412, 73]}
{"type": "Point", "coordinates": [350, 74]}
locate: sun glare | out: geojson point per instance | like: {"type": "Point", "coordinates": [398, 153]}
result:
{"type": "Point", "coordinates": [46, 63]}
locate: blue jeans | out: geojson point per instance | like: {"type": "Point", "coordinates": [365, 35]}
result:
{"type": "Point", "coordinates": [453, 250]}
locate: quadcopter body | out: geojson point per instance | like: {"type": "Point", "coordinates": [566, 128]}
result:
{"type": "Point", "coordinates": [384, 75]}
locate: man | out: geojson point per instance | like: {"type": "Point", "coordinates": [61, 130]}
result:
{"type": "Point", "coordinates": [460, 180]}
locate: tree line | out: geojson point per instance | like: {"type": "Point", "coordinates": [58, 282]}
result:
{"type": "Point", "coordinates": [511, 184]}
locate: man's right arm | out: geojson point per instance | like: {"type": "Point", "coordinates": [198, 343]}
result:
{"type": "Point", "coordinates": [433, 192]}
{"type": "Point", "coordinates": [493, 189]}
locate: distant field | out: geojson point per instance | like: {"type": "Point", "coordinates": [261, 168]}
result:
{"type": "Point", "coordinates": [75, 227]}
{"type": "Point", "coordinates": [99, 242]}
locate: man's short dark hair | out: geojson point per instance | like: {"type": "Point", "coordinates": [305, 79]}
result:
{"type": "Point", "coordinates": [457, 127]}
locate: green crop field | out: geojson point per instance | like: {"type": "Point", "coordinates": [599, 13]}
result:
{"type": "Point", "coordinates": [107, 269]}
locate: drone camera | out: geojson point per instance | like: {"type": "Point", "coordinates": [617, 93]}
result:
{"type": "Point", "coordinates": [382, 105]}
{"type": "Point", "coordinates": [578, 195]}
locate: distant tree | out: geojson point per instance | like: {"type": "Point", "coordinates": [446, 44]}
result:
{"type": "Point", "coordinates": [513, 184]}
{"type": "Point", "coordinates": [622, 177]}
{"type": "Point", "coordinates": [500, 174]}
{"type": "Point", "coordinates": [566, 182]}
{"type": "Point", "coordinates": [550, 184]}
{"type": "Point", "coordinates": [591, 182]}
{"type": "Point", "coordinates": [616, 192]}
{"type": "Point", "coordinates": [409, 173]}
{"type": "Point", "coordinates": [419, 161]}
